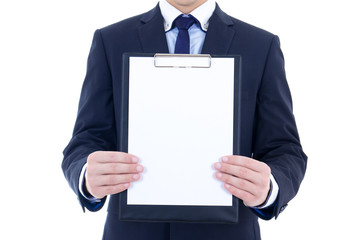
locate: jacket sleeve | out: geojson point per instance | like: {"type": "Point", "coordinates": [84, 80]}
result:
{"type": "Point", "coordinates": [95, 124]}
{"type": "Point", "coordinates": [276, 140]}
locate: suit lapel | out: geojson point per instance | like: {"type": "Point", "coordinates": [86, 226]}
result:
{"type": "Point", "coordinates": [219, 35]}
{"type": "Point", "coordinates": [152, 33]}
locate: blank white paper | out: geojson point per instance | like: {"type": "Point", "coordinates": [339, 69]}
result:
{"type": "Point", "coordinates": [180, 124]}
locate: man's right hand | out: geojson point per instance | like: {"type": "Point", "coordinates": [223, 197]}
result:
{"type": "Point", "coordinates": [111, 172]}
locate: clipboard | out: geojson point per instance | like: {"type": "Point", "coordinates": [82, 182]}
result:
{"type": "Point", "coordinates": [180, 114]}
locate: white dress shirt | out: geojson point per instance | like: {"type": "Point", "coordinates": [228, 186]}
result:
{"type": "Point", "coordinates": [197, 32]}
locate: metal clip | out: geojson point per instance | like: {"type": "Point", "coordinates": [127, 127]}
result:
{"type": "Point", "coordinates": [182, 60]}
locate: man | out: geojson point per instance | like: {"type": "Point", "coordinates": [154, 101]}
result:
{"type": "Point", "coordinates": [272, 164]}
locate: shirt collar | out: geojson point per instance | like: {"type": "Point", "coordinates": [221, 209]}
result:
{"type": "Point", "coordinates": [201, 13]}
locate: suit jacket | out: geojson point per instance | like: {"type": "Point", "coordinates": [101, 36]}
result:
{"type": "Point", "coordinates": [268, 130]}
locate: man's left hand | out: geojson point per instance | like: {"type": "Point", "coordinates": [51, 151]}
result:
{"type": "Point", "coordinates": [245, 178]}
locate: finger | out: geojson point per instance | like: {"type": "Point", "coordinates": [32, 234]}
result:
{"type": "Point", "coordinates": [112, 157]}
{"type": "Point", "coordinates": [115, 179]}
{"type": "Point", "coordinates": [238, 171]}
{"type": "Point", "coordinates": [246, 162]}
{"type": "Point", "coordinates": [106, 190]}
{"type": "Point", "coordinates": [239, 183]}
{"type": "Point", "coordinates": [247, 197]}
{"type": "Point", "coordinates": [115, 168]}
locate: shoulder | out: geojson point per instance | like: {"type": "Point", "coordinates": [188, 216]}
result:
{"type": "Point", "coordinates": [122, 26]}
{"type": "Point", "coordinates": [243, 29]}
{"type": "Point", "coordinates": [129, 25]}
{"type": "Point", "coordinates": [252, 30]}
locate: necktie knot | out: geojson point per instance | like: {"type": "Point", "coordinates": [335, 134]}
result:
{"type": "Point", "coordinates": [184, 23]}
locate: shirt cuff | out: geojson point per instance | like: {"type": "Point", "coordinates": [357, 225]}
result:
{"type": "Point", "coordinates": [273, 193]}
{"type": "Point", "coordinates": [82, 187]}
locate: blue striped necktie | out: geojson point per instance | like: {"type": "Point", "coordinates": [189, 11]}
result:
{"type": "Point", "coordinates": [182, 44]}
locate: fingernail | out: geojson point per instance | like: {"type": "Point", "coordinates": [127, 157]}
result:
{"type": "Point", "coordinates": [227, 185]}
{"type": "Point", "coordinates": [225, 159]}
{"type": "Point", "coordinates": [217, 165]}
{"type": "Point", "coordinates": [126, 185]}
{"type": "Point", "coordinates": [219, 175]}
{"type": "Point", "coordinates": [136, 176]}
{"type": "Point", "coordinates": [134, 159]}
{"type": "Point", "coordinates": [139, 168]}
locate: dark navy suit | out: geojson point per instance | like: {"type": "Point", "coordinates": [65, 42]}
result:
{"type": "Point", "coordinates": [268, 130]}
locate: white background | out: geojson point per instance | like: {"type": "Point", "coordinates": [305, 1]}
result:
{"type": "Point", "coordinates": [43, 51]}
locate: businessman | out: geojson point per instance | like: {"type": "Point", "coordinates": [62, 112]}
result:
{"type": "Point", "coordinates": [265, 176]}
